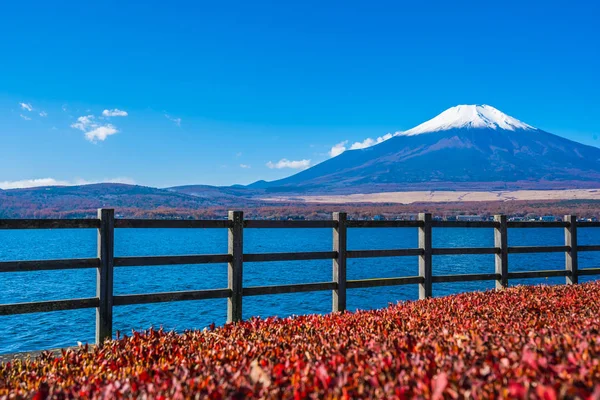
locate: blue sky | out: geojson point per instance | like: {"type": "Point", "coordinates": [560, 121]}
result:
{"type": "Point", "coordinates": [222, 92]}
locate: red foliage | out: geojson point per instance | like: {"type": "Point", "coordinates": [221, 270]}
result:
{"type": "Point", "coordinates": [525, 342]}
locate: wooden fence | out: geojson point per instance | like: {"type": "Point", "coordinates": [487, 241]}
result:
{"type": "Point", "coordinates": [105, 262]}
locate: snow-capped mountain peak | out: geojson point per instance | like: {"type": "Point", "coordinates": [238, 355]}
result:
{"type": "Point", "coordinates": [468, 116]}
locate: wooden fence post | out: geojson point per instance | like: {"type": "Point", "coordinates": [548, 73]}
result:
{"type": "Point", "coordinates": [425, 259]}
{"type": "Point", "coordinates": [235, 269]}
{"type": "Point", "coordinates": [339, 263]}
{"type": "Point", "coordinates": [571, 261]}
{"type": "Point", "coordinates": [501, 243]}
{"type": "Point", "coordinates": [104, 275]}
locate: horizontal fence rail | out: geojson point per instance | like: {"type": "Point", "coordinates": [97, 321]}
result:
{"type": "Point", "coordinates": [49, 265]}
{"type": "Point", "coordinates": [171, 296]}
{"type": "Point", "coordinates": [171, 223]}
{"type": "Point", "coordinates": [171, 260]}
{"type": "Point", "coordinates": [49, 223]}
{"type": "Point", "coordinates": [105, 262]}
{"type": "Point", "coordinates": [47, 306]}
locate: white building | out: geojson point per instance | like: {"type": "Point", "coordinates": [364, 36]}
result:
{"type": "Point", "coordinates": [469, 218]}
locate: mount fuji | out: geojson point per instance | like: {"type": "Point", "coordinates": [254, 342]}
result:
{"type": "Point", "coordinates": [475, 147]}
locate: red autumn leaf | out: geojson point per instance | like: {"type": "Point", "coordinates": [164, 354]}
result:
{"type": "Point", "coordinates": [323, 376]}
{"type": "Point", "coordinates": [439, 385]}
{"type": "Point", "coordinates": [546, 392]}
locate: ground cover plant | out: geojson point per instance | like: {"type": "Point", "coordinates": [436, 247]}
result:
{"type": "Point", "coordinates": [524, 342]}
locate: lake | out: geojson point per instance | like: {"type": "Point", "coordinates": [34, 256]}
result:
{"type": "Point", "coordinates": [66, 328]}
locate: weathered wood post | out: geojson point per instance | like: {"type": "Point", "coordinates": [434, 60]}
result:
{"type": "Point", "coordinates": [501, 243]}
{"type": "Point", "coordinates": [425, 259]}
{"type": "Point", "coordinates": [571, 261]}
{"type": "Point", "coordinates": [235, 268]}
{"type": "Point", "coordinates": [104, 275]}
{"type": "Point", "coordinates": [339, 263]}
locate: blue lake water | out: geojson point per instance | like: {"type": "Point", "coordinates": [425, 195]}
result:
{"type": "Point", "coordinates": [65, 328]}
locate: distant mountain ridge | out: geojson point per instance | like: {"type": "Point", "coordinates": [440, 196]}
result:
{"type": "Point", "coordinates": [82, 201]}
{"type": "Point", "coordinates": [464, 147]}
{"type": "Point", "coordinates": [472, 148]}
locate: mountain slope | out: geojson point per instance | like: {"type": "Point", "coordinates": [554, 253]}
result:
{"type": "Point", "coordinates": [82, 201]}
{"type": "Point", "coordinates": [476, 147]}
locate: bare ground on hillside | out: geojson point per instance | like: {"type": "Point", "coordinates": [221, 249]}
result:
{"type": "Point", "coordinates": [445, 196]}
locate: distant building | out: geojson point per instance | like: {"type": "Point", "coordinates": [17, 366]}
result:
{"type": "Point", "coordinates": [379, 218]}
{"type": "Point", "coordinates": [469, 218]}
{"type": "Point", "coordinates": [548, 218]}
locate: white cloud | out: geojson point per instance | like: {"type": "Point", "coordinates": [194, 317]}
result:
{"type": "Point", "coordinates": [84, 123]}
{"type": "Point", "coordinates": [368, 142]}
{"type": "Point", "coordinates": [26, 106]}
{"type": "Point", "coordinates": [176, 120]}
{"type": "Point", "coordinates": [285, 163]}
{"type": "Point", "coordinates": [101, 133]}
{"type": "Point", "coordinates": [25, 117]}
{"type": "Point", "coordinates": [114, 113]}
{"type": "Point", "coordinates": [43, 114]}
{"type": "Point", "coordinates": [28, 183]}
{"type": "Point", "coordinates": [338, 149]}
{"type": "Point", "coordinates": [246, 166]}
{"type": "Point", "coordinates": [93, 131]}
{"type": "Point", "coordinates": [64, 108]}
